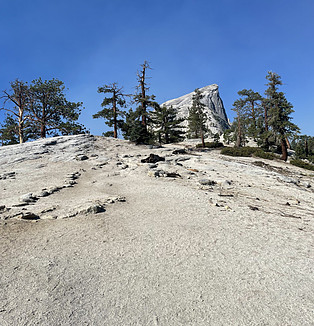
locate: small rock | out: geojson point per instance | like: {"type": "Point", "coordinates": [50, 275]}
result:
{"type": "Point", "coordinates": [28, 216]}
{"type": "Point", "coordinates": [207, 182]}
{"type": "Point", "coordinates": [152, 158]}
{"type": "Point", "coordinates": [28, 198]}
{"type": "Point", "coordinates": [253, 208]}
{"type": "Point", "coordinates": [94, 209]}
{"type": "Point", "coordinates": [179, 151]}
{"type": "Point", "coordinates": [43, 193]}
{"type": "Point", "coordinates": [2, 207]}
{"type": "Point", "coordinates": [81, 157]}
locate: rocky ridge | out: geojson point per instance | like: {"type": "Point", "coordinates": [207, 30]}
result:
{"type": "Point", "coordinates": [217, 120]}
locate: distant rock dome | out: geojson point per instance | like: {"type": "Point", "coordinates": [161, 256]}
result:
{"type": "Point", "coordinates": [217, 120]}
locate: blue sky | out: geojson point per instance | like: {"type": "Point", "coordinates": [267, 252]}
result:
{"type": "Point", "coordinates": [189, 44]}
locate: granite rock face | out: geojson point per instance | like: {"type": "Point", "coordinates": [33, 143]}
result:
{"type": "Point", "coordinates": [215, 111]}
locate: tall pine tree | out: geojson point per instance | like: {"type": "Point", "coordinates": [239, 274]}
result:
{"type": "Point", "coordinates": [167, 127]}
{"type": "Point", "coordinates": [280, 113]}
{"type": "Point", "coordinates": [112, 107]}
{"type": "Point", "coordinates": [197, 117]}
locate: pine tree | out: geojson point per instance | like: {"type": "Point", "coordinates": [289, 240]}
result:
{"type": "Point", "coordinates": [16, 104]}
{"type": "Point", "coordinates": [197, 117]}
{"type": "Point", "coordinates": [9, 131]}
{"type": "Point", "coordinates": [279, 110]}
{"type": "Point", "coordinates": [252, 110]}
{"type": "Point", "coordinates": [50, 111]}
{"type": "Point", "coordinates": [239, 125]}
{"type": "Point", "coordinates": [137, 123]}
{"type": "Point", "coordinates": [112, 107]}
{"type": "Point", "coordinates": [134, 130]}
{"type": "Point", "coordinates": [167, 127]}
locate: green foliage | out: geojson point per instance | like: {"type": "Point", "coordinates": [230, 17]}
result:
{"type": "Point", "coordinates": [197, 117]}
{"type": "Point", "coordinates": [247, 152]}
{"type": "Point", "coordinates": [279, 110]}
{"type": "Point", "coordinates": [112, 107]}
{"type": "Point", "coordinates": [211, 145]}
{"type": "Point", "coordinates": [302, 164]}
{"type": "Point", "coordinates": [240, 123]}
{"type": "Point", "coordinates": [134, 130]}
{"type": "Point", "coordinates": [252, 110]}
{"type": "Point", "coordinates": [108, 134]}
{"type": "Point", "coordinates": [144, 101]}
{"type": "Point", "coordinates": [229, 135]}
{"type": "Point", "coordinates": [8, 131]}
{"type": "Point", "coordinates": [50, 112]}
{"type": "Point", "coordinates": [166, 125]}
{"type": "Point", "coordinates": [303, 145]}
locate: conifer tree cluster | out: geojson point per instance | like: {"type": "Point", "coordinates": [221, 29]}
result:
{"type": "Point", "coordinates": [147, 123]}
{"type": "Point", "coordinates": [37, 110]}
{"type": "Point", "coordinates": [267, 119]}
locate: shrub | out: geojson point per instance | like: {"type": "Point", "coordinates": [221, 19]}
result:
{"type": "Point", "coordinates": [302, 164]}
{"type": "Point", "coordinates": [238, 151]}
{"type": "Point", "coordinates": [260, 153]}
{"type": "Point", "coordinates": [211, 145]}
{"type": "Point", "coordinates": [247, 152]}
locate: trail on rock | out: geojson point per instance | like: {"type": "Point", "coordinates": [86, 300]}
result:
{"type": "Point", "coordinates": [176, 252]}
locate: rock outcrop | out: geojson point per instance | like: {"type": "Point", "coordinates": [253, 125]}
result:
{"type": "Point", "coordinates": [215, 111]}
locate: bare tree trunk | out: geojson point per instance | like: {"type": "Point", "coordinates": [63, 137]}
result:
{"type": "Point", "coordinates": [306, 147]}
{"type": "Point", "coordinates": [144, 122]}
{"type": "Point", "coordinates": [202, 138]}
{"type": "Point", "coordinates": [43, 122]}
{"type": "Point", "coordinates": [115, 128]}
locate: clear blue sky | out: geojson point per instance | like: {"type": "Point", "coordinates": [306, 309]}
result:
{"type": "Point", "coordinates": [189, 44]}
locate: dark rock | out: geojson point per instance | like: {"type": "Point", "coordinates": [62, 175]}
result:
{"type": "Point", "coordinates": [179, 151]}
{"type": "Point", "coordinates": [29, 216]}
{"type": "Point", "coordinates": [2, 207]}
{"type": "Point", "coordinates": [152, 158]}
{"type": "Point", "coordinates": [207, 182]}
{"type": "Point", "coordinates": [253, 208]}
{"type": "Point", "coordinates": [172, 175]}
{"type": "Point", "coordinates": [81, 157]}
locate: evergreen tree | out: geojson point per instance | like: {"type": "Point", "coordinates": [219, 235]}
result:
{"type": "Point", "coordinates": [239, 124]}
{"type": "Point", "coordinates": [134, 130]}
{"type": "Point", "coordinates": [279, 110]}
{"type": "Point", "coordinates": [197, 117]}
{"type": "Point", "coordinates": [50, 111]}
{"type": "Point", "coordinates": [167, 126]}
{"type": "Point", "coordinates": [252, 110]}
{"type": "Point", "coordinates": [137, 123]}
{"type": "Point", "coordinates": [303, 145]}
{"type": "Point", "coordinates": [9, 131]}
{"type": "Point", "coordinates": [16, 104]}
{"type": "Point", "coordinates": [141, 98]}
{"type": "Point", "coordinates": [111, 111]}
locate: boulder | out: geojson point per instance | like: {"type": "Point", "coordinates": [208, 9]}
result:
{"type": "Point", "coordinates": [153, 158]}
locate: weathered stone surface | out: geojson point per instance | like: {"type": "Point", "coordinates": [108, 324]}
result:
{"type": "Point", "coordinates": [217, 120]}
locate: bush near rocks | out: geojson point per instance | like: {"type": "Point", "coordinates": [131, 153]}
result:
{"type": "Point", "coordinates": [302, 164]}
{"type": "Point", "coordinates": [247, 152]}
{"type": "Point", "coordinates": [211, 145]}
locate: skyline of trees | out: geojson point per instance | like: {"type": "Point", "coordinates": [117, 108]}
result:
{"type": "Point", "coordinates": [41, 109]}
